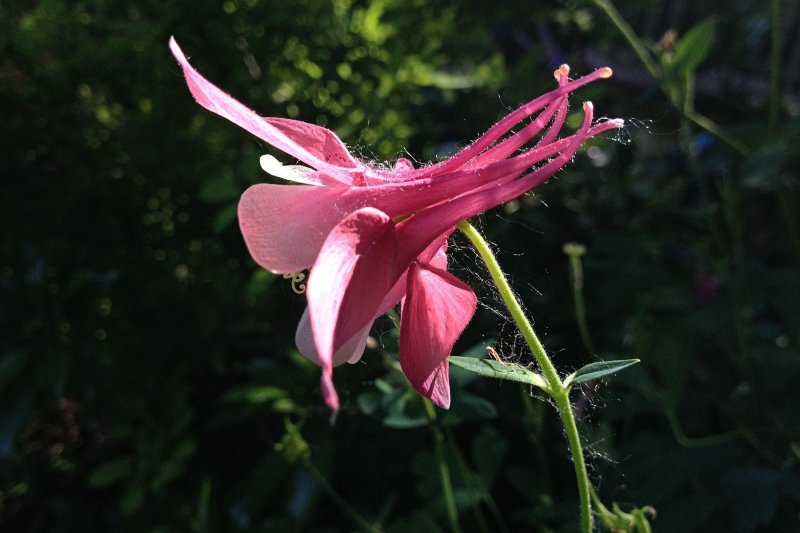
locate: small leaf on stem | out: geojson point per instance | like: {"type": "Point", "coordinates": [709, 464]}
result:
{"type": "Point", "coordinates": [598, 370]}
{"type": "Point", "coordinates": [500, 370]}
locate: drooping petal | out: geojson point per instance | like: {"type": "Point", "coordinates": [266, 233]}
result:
{"type": "Point", "coordinates": [439, 260]}
{"type": "Point", "coordinates": [284, 226]}
{"type": "Point", "coordinates": [350, 352]}
{"type": "Point", "coordinates": [315, 146]}
{"type": "Point", "coordinates": [350, 278]}
{"type": "Point", "coordinates": [320, 142]}
{"type": "Point", "coordinates": [328, 390]}
{"type": "Point", "coordinates": [437, 308]}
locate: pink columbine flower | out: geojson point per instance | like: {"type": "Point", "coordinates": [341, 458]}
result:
{"type": "Point", "coordinates": [375, 236]}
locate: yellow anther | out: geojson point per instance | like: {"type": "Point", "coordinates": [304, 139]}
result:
{"type": "Point", "coordinates": [561, 72]}
{"type": "Point", "coordinates": [297, 278]}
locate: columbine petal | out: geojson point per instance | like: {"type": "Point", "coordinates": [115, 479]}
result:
{"type": "Point", "coordinates": [284, 226]}
{"type": "Point", "coordinates": [311, 144]}
{"type": "Point", "coordinates": [350, 352]}
{"type": "Point", "coordinates": [350, 279]}
{"type": "Point", "coordinates": [436, 309]}
{"type": "Point", "coordinates": [295, 173]}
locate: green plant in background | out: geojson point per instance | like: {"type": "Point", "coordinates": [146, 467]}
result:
{"type": "Point", "coordinates": [128, 326]}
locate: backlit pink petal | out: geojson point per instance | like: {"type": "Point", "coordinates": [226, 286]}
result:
{"type": "Point", "coordinates": [437, 308]}
{"type": "Point", "coordinates": [350, 352]}
{"type": "Point", "coordinates": [320, 142]}
{"type": "Point", "coordinates": [284, 226]}
{"type": "Point", "coordinates": [328, 390]}
{"type": "Point", "coordinates": [415, 231]}
{"type": "Point", "coordinates": [440, 259]}
{"type": "Point", "coordinates": [350, 279]}
{"type": "Point", "coordinates": [507, 147]}
{"type": "Point", "coordinates": [314, 145]}
{"type": "Point", "coordinates": [512, 119]}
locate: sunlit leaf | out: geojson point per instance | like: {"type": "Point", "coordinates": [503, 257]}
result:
{"type": "Point", "coordinates": [598, 370]}
{"type": "Point", "coordinates": [255, 394]}
{"type": "Point", "coordinates": [693, 48]}
{"type": "Point", "coordinates": [499, 370]}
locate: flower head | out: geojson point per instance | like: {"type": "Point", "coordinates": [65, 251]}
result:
{"type": "Point", "coordinates": [374, 236]}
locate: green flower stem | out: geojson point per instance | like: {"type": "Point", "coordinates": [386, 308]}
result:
{"type": "Point", "coordinates": [556, 388]}
{"type": "Point", "coordinates": [625, 29]}
{"type": "Point", "coordinates": [444, 471]}
{"type": "Point", "coordinates": [513, 305]}
{"type": "Point", "coordinates": [575, 251]}
{"type": "Point", "coordinates": [607, 6]}
{"type": "Point", "coordinates": [715, 129]}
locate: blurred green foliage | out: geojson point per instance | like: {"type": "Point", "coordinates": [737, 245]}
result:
{"type": "Point", "coordinates": [148, 379]}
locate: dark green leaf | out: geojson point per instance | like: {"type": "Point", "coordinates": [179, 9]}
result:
{"type": "Point", "coordinates": [693, 48]}
{"type": "Point", "coordinates": [224, 218]}
{"type": "Point", "coordinates": [110, 473]}
{"type": "Point", "coordinates": [466, 406]}
{"type": "Point", "coordinates": [220, 190]}
{"type": "Point", "coordinates": [255, 394]}
{"type": "Point", "coordinates": [497, 370]}
{"type": "Point", "coordinates": [460, 377]}
{"type": "Point", "coordinates": [598, 370]}
{"type": "Point", "coordinates": [488, 451]}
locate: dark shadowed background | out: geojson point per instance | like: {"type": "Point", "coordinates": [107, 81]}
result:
{"type": "Point", "coordinates": [148, 377]}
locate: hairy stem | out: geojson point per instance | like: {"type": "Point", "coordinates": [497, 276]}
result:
{"type": "Point", "coordinates": [556, 388]}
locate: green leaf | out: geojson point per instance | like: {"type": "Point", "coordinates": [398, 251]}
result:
{"type": "Point", "coordinates": [465, 407]}
{"type": "Point", "coordinates": [255, 394]}
{"type": "Point", "coordinates": [110, 473]}
{"type": "Point", "coordinates": [220, 190]}
{"type": "Point", "coordinates": [224, 218]}
{"type": "Point", "coordinates": [132, 500]}
{"type": "Point", "coordinates": [693, 48]}
{"type": "Point", "coordinates": [393, 405]}
{"type": "Point", "coordinates": [460, 377]}
{"type": "Point", "coordinates": [598, 370]}
{"type": "Point", "coordinates": [488, 451]}
{"type": "Point", "coordinates": [497, 370]}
